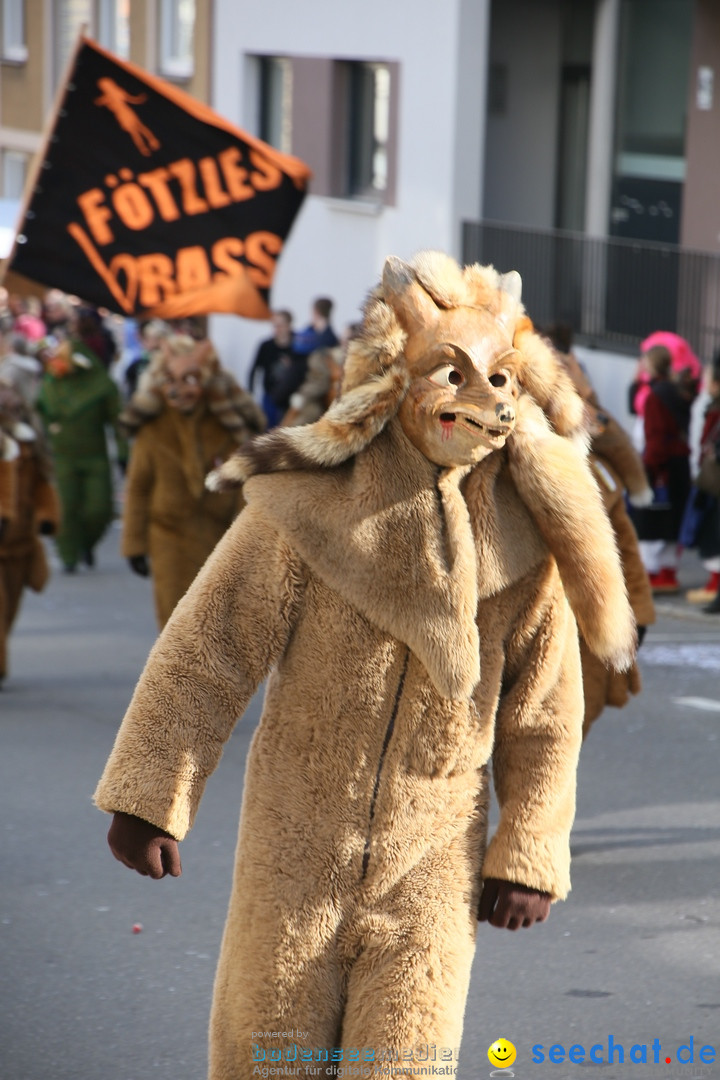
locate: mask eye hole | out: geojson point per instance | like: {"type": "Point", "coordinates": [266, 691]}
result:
{"type": "Point", "coordinates": [499, 379]}
{"type": "Point", "coordinates": [448, 375]}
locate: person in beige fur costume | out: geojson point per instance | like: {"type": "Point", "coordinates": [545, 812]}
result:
{"type": "Point", "coordinates": [188, 415]}
{"type": "Point", "coordinates": [407, 574]}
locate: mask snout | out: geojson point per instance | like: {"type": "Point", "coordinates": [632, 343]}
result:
{"type": "Point", "coordinates": [505, 412]}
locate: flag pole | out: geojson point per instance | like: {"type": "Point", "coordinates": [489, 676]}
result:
{"type": "Point", "coordinates": [38, 160]}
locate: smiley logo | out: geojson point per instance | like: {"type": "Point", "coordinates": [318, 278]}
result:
{"type": "Point", "coordinates": [502, 1053]}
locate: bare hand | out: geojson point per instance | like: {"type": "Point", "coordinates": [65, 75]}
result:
{"type": "Point", "coordinates": [510, 906]}
{"type": "Point", "coordinates": [144, 847]}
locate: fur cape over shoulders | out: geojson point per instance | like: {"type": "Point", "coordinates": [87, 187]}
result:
{"type": "Point", "coordinates": [235, 409]}
{"type": "Point", "coordinates": [544, 459]}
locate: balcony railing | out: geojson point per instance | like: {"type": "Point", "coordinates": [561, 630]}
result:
{"type": "Point", "coordinates": [612, 292]}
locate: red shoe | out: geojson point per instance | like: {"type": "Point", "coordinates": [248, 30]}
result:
{"type": "Point", "coordinates": [665, 581]}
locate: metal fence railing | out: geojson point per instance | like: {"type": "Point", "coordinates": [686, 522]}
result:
{"type": "Point", "coordinates": [613, 292]}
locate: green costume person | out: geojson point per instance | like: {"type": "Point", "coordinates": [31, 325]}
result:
{"type": "Point", "coordinates": [78, 400]}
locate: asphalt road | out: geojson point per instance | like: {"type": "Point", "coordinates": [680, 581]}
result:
{"type": "Point", "coordinates": [632, 956]}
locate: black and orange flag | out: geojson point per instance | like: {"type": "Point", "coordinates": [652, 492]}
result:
{"type": "Point", "coordinates": [148, 203]}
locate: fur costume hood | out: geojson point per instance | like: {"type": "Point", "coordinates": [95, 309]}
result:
{"type": "Point", "coordinates": [544, 460]}
{"type": "Point", "coordinates": [234, 408]}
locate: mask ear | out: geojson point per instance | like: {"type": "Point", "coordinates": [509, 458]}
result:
{"type": "Point", "coordinates": [414, 307]}
{"type": "Point", "coordinates": [511, 283]}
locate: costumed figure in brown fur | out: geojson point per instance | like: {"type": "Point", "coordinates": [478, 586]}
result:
{"type": "Point", "coordinates": [33, 507]}
{"type": "Point", "coordinates": [187, 416]}
{"type": "Point", "coordinates": [407, 575]}
{"type": "Point", "coordinates": [618, 470]}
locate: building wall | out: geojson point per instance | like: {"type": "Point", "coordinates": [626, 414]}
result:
{"type": "Point", "coordinates": [21, 86]}
{"type": "Point", "coordinates": [522, 126]}
{"type": "Point", "coordinates": [28, 89]}
{"type": "Point", "coordinates": [337, 247]}
{"type": "Point", "coordinates": [701, 206]}
{"type": "Point", "coordinates": [200, 85]}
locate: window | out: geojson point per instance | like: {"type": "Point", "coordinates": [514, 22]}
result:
{"type": "Point", "coordinates": [69, 17]}
{"type": "Point", "coordinates": [339, 116]}
{"type": "Point", "coordinates": [13, 31]}
{"type": "Point", "coordinates": [275, 104]}
{"type": "Point", "coordinates": [114, 26]}
{"type": "Point", "coordinates": [14, 174]}
{"type": "Point", "coordinates": [651, 116]}
{"type": "Point", "coordinates": [368, 93]}
{"type": "Point", "coordinates": [177, 22]}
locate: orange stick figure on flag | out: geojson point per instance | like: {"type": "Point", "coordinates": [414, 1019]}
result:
{"type": "Point", "coordinates": [118, 101]}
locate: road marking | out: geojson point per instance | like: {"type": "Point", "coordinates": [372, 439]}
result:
{"type": "Point", "coordinates": [707, 704]}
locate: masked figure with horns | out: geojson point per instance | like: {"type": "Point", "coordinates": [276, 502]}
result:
{"type": "Point", "coordinates": [409, 574]}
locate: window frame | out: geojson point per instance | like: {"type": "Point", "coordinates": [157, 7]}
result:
{"type": "Point", "coordinates": [14, 31]}
{"type": "Point", "coordinates": [275, 74]}
{"type": "Point", "coordinates": [20, 160]}
{"type": "Point", "coordinates": [170, 62]}
{"type": "Point", "coordinates": [108, 17]}
{"type": "Point", "coordinates": [346, 123]}
{"type": "Point", "coordinates": [364, 140]}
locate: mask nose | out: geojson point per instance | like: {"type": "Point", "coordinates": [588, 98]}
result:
{"type": "Point", "coordinates": [505, 413]}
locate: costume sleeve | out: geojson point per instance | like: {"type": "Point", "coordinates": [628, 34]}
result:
{"type": "Point", "coordinates": [614, 445]}
{"type": "Point", "coordinates": [537, 743]}
{"type": "Point", "coordinates": [138, 492]}
{"type": "Point", "coordinates": [8, 483]}
{"type": "Point", "coordinates": [219, 644]}
{"type": "Point", "coordinates": [47, 503]}
{"type": "Point", "coordinates": [113, 404]}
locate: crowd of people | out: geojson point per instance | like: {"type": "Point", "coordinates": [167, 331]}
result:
{"type": "Point", "coordinates": [669, 389]}
{"type": "Point", "coordinates": [91, 403]}
{"type": "Point", "coordinates": [86, 400]}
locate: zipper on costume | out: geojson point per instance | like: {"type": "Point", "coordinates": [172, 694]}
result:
{"type": "Point", "coordinates": [443, 520]}
{"type": "Point", "coordinates": [381, 762]}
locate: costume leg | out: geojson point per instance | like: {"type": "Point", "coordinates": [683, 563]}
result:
{"type": "Point", "coordinates": [97, 501]}
{"type": "Point", "coordinates": [5, 621]}
{"type": "Point", "coordinates": [278, 973]}
{"type": "Point", "coordinates": [15, 572]}
{"type": "Point", "coordinates": [69, 535]}
{"type": "Point", "coordinates": [280, 969]}
{"type": "Point", "coordinates": [13, 575]}
{"type": "Point", "coordinates": [173, 571]}
{"type": "Point", "coordinates": [408, 986]}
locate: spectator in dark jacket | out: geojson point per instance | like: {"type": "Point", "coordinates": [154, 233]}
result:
{"type": "Point", "coordinates": [318, 334]}
{"type": "Point", "coordinates": [277, 359]}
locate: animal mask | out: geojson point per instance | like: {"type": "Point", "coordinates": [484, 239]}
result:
{"type": "Point", "coordinates": [460, 404]}
{"type": "Point", "coordinates": [428, 319]}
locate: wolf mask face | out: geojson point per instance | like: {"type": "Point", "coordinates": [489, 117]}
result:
{"type": "Point", "coordinates": [460, 405]}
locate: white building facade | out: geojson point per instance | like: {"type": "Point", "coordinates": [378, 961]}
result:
{"type": "Point", "coordinates": [316, 62]}
{"type": "Point", "coordinates": [577, 141]}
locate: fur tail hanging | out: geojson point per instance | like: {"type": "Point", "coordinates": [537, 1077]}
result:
{"type": "Point", "coordinates": [347, 427]}
{"type": "Point", "coordinates": [554, 482]}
